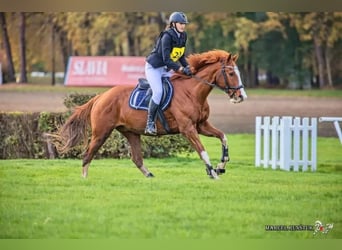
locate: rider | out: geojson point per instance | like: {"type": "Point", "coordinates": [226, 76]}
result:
{"type": "Point", "coordinates": [168, 50]}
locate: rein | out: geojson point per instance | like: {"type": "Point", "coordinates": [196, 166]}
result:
{"type": "Point", "coordinates": [224, 89]}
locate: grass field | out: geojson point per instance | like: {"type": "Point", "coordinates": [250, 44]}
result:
{"type": "Point", "coordinates": [49, 199]}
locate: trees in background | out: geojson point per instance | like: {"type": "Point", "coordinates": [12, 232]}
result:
{"type": "Point", "coordinates": [10, 76]}
{"type": "Point", "coordinates": [22, 47]}
{"type": "Point", "coordinates": [323, 31]}
{"type": "Point", "coordinates": [290, 49]}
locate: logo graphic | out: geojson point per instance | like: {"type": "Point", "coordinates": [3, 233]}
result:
{"type": "Point", "coordinates": [321, 228]}
{"type": "Point", "coordinates": [177, 53]}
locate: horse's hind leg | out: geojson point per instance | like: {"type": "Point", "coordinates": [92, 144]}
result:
{"type": "Point", "coordinates": [135, 142]}
{"type": "Point", "coordinates": [97, 140]}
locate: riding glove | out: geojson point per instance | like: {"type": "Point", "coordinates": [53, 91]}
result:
{"type": "Point", "coordinates": [187, 71]}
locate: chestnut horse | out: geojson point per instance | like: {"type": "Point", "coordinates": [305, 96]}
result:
{"type": "Point", "coordinates": [187, 113]}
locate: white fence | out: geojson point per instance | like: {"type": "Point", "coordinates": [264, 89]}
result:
{"type": "Point", "coordinates": [336, 121]}
{"type": "Point", "coordinates": [286, 142]}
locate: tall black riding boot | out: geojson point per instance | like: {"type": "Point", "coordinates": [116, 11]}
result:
{"type": "Point", "coordinates": [151, 118]}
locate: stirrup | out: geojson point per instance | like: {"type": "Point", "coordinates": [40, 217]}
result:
{"type": "Point", "coordinates": [151, 129]}
{"type": "Point", "coordinates": [150, 132]}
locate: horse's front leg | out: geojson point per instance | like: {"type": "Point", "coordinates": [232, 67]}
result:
{"type": "Point", "coordinates": [192, 135]}
{"type": "Point", "coordinates": [208, 130]}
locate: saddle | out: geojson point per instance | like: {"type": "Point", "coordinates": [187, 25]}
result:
{"type": "Point", "coordinates": [142, 93]}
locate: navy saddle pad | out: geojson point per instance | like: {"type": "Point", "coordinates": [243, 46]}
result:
{"type": "Point", "coordinates": [142, 93]}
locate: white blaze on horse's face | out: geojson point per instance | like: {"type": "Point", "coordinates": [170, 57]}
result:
{"type": "Point", "coordinates": [243, 95]}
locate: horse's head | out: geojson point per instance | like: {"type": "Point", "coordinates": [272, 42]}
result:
{"type": "Point", "coordinates": [220, 66]}
{"type": "Point", "coordinates": [228, 79]}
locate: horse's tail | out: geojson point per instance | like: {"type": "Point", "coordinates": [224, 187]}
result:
{"type": "Point", "coordinates": [75, 129]}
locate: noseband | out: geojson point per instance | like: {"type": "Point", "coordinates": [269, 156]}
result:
{"type": "Point", "coordinates": [227, 87]}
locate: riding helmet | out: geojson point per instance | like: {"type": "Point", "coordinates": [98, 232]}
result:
{"type": "Point", "coordinates": [178, 17]}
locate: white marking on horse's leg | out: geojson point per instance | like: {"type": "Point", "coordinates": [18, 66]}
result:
{"type": "Point", "coordinates": [221, 165]}
{"type": "Point", "coordinates": [85, 170]}
{"type": "Point", "coordinates": [225, 145]}
{"type": "Point", "coordinates": [144, 170]}
{"type": "Point", "coordinates": [224, 140]}
{"type": "Point", "coordinates": [205, 157]}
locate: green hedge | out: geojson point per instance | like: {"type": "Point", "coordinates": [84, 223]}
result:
{"type": "Point", "coordinates": [24, 136]}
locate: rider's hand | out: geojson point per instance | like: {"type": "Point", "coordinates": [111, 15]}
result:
{"type": "Point", "coordinates": [187, 71]}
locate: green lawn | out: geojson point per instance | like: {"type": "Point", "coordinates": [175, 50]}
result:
{"type": "Point", "coordinates": [49, 199]}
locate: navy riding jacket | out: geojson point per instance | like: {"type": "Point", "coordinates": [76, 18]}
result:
{"type": "Point", "coordinates": [169, 49]}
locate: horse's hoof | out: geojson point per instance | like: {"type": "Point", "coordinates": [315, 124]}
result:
{"type": "Point", "coordinates": [220, 170]}
{"type": "Point", "coordinates": [214, 175]}
{"type": "Point", "coordinates": [149, 175]}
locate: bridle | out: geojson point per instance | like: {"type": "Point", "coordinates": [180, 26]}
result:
{"type": "Point", "coordinates": [227, 87]}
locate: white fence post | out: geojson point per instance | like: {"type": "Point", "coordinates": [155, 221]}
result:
{"type": "Point", "coordinates": [266, 143]}
{"type": "Point", "coordinates": [284, 142]}
{"type": "Point", "coordinates": [258, 141]}
{"type": "Point", "coordinates": [296, 141]}
{"type": "Point", "coordinates": [305, 143]}
{"type": "Point", "coordinates": [275, 141]}
{"type": "Point", "coordinates": [313, 144]}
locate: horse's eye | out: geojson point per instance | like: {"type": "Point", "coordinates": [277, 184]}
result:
{"type": "Point", "coordinates": [231, 74]}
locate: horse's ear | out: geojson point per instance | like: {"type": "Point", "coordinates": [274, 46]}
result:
{"type": "Point", "coordinates": [229, 57]}
{"type": "Point", "coordinates": [235, 57]}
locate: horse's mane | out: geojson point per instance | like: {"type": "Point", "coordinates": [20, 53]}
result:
{"type": "Point", "coordinates": [197, 61]}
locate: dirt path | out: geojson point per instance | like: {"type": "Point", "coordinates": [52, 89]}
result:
{"type": "Point", "coordinates": [32, 102]}
{"type": "Point", "coordinates": [231, 118]}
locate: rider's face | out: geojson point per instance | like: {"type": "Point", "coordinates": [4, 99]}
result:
{"type": "Point", "coordinates": [180, 27]}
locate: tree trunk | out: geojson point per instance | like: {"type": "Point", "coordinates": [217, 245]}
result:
{"type": "Point", "coordinates": [65, 47]}
{"type": "Point", "coordinates": [131, 43]}
{"type": "Point", "coordinates": [256, 76]}
{"type": "Point", "coordinates": [319, 47]}
{"type": "Point", "coordinates": [10, 76]}
{"type": "Point", "coordinates": [53, 55]}
{"type": "Point", "coordinates": [131, 19]}
{"type": "Point", "coordinates": [245, 68]}
{"type": "Point", "coordinates": [87, 25]}
{"type": "Point", "coordinates": [328, 66]}
{"type": "Point", "coordinates": [121, 49]}
{"type": "Point", "coordinates": [251, 73]}
{"type": "Point", "coordinates": [22, 27]}
{"type": "Point", "coordinates": [320, 61]}
{"type": "Point", "coordinates": [161, 20]}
